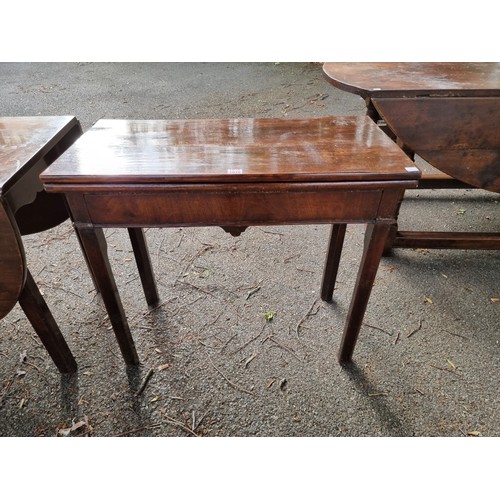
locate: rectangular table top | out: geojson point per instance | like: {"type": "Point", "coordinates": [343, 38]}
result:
{"type": "Point", "coordinates": [325, 149]}
{"type": "Point", "coordinates": [24, 141]}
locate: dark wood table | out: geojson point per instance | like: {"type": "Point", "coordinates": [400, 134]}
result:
{"type": "Point", "coordinates": [27, 146]}
{"type": "Point", "coordinates": [446, 113]}
{"type": "Point", "coordinates": [233, 173]}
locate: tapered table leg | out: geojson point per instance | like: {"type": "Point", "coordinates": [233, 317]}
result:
{"type": "Point", "coordinates": [95, 248]}
{"type": "Point", "coordinates": [375, 239]}
{"type": "Point", "coordinates": [332, 261]}
{"type": "Point", "coordinates": [45, 326]}
{"type": "Point", "coordinates": [143, 261]}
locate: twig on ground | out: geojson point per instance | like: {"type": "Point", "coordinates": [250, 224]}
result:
{"type": "Point", "coordinates": [112, 348]}
{"type": "Point", "coordinates": [138, 429]}
{"type": "Point", "coordinates": [34, 366]}
{"type": "Point", "coordinates": [145, 382]}
{"type": "Point", "coordinates": [252, 292]}
{"type": "Point", "coordinates": [131, 280]}
{"type": "Point", "coordinates": [193, 286]}
{"type": "Point", "coordinates": [416, 329]}
{"type": "Point", "coordinates": [249, 360]}
{"type": "Point", "coordinates": [180, 239]}
{"type": "Point", "coordinates": [288, 259]}
{"type": "Point", "coordinates": [449, 370]}
{"type": "Point", "coordinates": [57, 287]}
{"type": "Point", "coordinates": [172, 421]}
{"type": "Point", "coordinates": [210, 346]}
{"type": "Point", "coordinates": [250, 341]}
{"type": "Point", "coordinates": [200, 252]}
{"type": "Point", "coordinates": [309, 313]}
{"type": "Point", "coordinates": [152, 309]}
{"type": "Point", "coordinates": [228, 342]}
{"type": "Point", "coordinates": [305, 270]}
{"type": "Point", "coordinates": [457, 335]}
{"type": "Point", "coordinates": [241, 288]}
{"type": "Point", "coordinates": [7, 388]}
{"type": "Point", "coordinates": [215, 320]}
{"type": "Point", "coordinates": [94, 296]}
{"type": "Point", "coordinates": [286, 348]}
{"type": "Point", "coordinates": [231, 383]}
{"type": "Point", "coordinates": [160, 248]}
{"type": "Point", "coordinates": [144, 327]}
{"type": "Point", "coordinates": [39, 272]}
{"type": "Point", "coordinates": [270, 232]}
{"type": "Point", "coordinates": [199, 422]}
{"type": "Point", "coordinates": [378, 328]}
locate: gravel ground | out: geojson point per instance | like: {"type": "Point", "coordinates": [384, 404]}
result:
{"type": "Point", "coordinates": [428, 358]}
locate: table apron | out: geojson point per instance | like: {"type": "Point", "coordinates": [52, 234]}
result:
{"type": "Point", "coordinates": [237, 207]}
{"type": "Point", "coordinates": [24, 191]}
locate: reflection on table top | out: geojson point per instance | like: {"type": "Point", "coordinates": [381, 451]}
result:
{"type": "Point", "coordinates": [232, 150]}
{"type": "Point", "coordinates": [24, 141]}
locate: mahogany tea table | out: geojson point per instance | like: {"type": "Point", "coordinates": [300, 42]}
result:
{"type": "Point", "coordinates": [27, 146]}
{"type": "Point", "coordinates": [233, 173]}
{"type": "Point", "coordinates": [448, 113]}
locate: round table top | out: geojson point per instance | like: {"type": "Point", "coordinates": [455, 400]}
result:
{"type": "Point", "coordinates": [415, 78]}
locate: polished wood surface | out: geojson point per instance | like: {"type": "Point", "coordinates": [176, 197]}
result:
{"type": "Point", "coordinates": [459, 136]}
{"type": "Point", "coordinates": [446, 113]}
{"type": "Point", "coordinates": [25, 141]}
{"type": "Point", "coordinates": [233, 173]}
{"type": "Point", "coordinates": [27, 146]}
{"type": "Point", "coordinates": [230, 151]}
{"type": "Point", "coordinates": [415, 79]}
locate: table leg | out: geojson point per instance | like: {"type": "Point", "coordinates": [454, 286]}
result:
{"type": "Point", "coordinates": [95, 248]}
{"type": "Point", "coordinates": [332, 261]}
{"type": "Point", "coordinates": [375, 239]}
{"type": "Point", "coordinates": [40, 317]}
{"type": "Point", "coordinates": [141, 254]}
